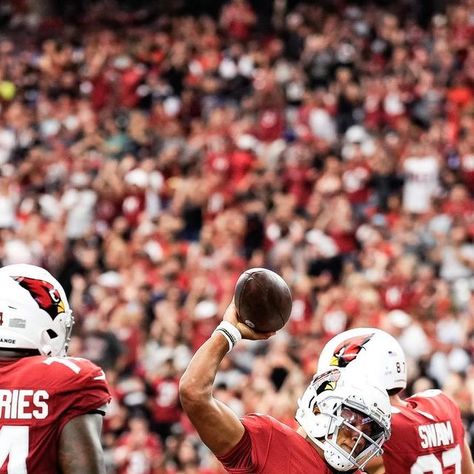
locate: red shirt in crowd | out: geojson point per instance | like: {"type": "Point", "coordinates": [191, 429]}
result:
{"type": "Point", "coordinates": [271, 123]}
{"type": "Point", "coordinates": [397, 293]}
{"type": "Point", "coordinates": [166, 407]}
{"type": "Point", "coordinates": [140, 458]}
{"type": "Point", "coordinates": [237, 19]}
{"type": "Point", "coordinates": [241, 162]}
{"type": "Point", "coordinates": [427, 436]}
{"type": "Point", "coordinates": [298, 180]}
{"type": "Point", "coordinates": [467, 170]}
{"type": "Point", "coordinates": [270, 447]}
{"type": "Point", "coordinates": [45, 393]}
{"type": "Point", "coordinates": [356, 179]}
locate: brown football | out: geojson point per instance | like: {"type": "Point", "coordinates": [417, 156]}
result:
{"type": "Point", "coordinates": [262, 299]}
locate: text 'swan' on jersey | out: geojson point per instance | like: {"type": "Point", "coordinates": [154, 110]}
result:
{"type": "Point", "coordinates": [427, 436]}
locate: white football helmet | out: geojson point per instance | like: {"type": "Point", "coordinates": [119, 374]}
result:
{"type": "Point", "coordinates": [346, 416]}
{"type": "Point", "coordinates": [373, 350]}
{"type": "Point", "coordinates": [35, 313]}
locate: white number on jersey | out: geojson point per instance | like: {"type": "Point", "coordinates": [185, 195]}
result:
{"type": "Point", "coordinates": [68, 362]}
{"type": "Point", "coordinates": [14, 447]}
{"type": "Point", "coordinates": [430, 463]}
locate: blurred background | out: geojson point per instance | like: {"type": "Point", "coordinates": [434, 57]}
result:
{"type": "Point", "coordinates": [149, 153]}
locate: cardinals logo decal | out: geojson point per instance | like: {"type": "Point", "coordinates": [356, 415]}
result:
{"type": "Point", "coordinates": [326, 381]}
{"type": "Point", "coordinates": [348, 350]}
{"type": "Point", "coordinates": [46, 296]}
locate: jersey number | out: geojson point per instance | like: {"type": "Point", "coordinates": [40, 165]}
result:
{"type": "Point", "coordinates": [67, 362]}
{"type": "Point", "coordinates": [430, 463]}
{"type": "Point", "coordinates": [14, 447]}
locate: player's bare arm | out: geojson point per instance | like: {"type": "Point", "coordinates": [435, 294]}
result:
{"type": "Point", "coordinates": [80, 449]}
{"type": "Point", "coordinates": [218, 426]}
{"type": "Point", "coordinates": [467, 465]}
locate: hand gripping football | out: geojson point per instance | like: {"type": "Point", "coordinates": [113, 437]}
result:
{"type": "Point", "coordinates": [262, 299]}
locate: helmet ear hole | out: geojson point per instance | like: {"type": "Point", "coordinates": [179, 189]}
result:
{"type": "Point", "coordinates": [52, 334]}
{"type": "Point", "coordinates": [47, 350]}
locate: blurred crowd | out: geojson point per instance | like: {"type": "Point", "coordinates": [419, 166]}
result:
{"type": "Point", "coordinates": [148, 159]}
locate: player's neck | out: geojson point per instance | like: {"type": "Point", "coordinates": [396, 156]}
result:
{"type": "Point", "coordinates": [10, 356]}
{"type": "Point", "coordinates": [396, 401]}
{"type": "Point", "coordinates": [302, 433]}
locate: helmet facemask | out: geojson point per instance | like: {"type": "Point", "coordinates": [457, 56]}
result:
{"type": "Point", "coordinates": [349, 421]}
{"type": "Point", "coordinates": [353, 439]}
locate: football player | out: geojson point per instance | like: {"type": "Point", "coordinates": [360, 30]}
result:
{"type": "Point", "coordinates": [51, 406]}
{"type": "Point", "coordinates": [427, 430]}
{"type": "Point", "coordinates": [343, 421]}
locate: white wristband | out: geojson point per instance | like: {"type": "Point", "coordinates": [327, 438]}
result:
{"type": "Point", "coordinates": [230, 332]}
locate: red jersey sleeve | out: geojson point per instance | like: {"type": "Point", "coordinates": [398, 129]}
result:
{"type": "Point", "coordinates": [270, 447]}
{"type": "Point", "coordinates": [253, 445]}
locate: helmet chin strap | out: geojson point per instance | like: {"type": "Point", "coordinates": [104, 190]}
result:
{"type": "Point", "coordinates": [47, 350]}
{"type": "Point", "coordinates": [318, 432]}
{"type": "Point", "coordinates": [333, 456]}
{"type": "Point", "coordinates": [336, 457]}
{"type": "Point", "coordinates": [46, 347]}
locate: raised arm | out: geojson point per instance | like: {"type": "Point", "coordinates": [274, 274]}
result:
{"type": "Point", "coordinates": [218, 426]}
{"type": "Point", "coordinates": [80, 449]}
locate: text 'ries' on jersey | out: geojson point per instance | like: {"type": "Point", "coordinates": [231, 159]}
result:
{"type": "Point", "coordinates": [38, 397]}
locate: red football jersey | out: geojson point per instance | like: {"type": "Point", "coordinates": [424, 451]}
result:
{"type": "Point", "coordinates": [427, 436]}
{"type": "Point", "coordinates": [38, 396]}
{"type": "Point", "coordinates": [270, 447]}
